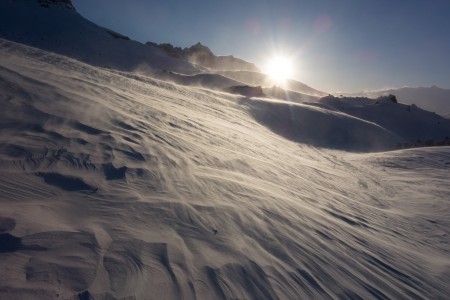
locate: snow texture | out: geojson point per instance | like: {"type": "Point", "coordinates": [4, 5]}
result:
{"type": "Point", "coordinates": [126, 173]}
{"type": "Point", "coordinates": [128, 187]}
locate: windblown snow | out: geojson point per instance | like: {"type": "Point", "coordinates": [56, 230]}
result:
{"type": "Point", "coordinates": [120, 186]}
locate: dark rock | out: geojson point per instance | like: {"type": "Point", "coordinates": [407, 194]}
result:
{"type": "Point", "coordinates": [245, 90]}
{"type": "Point", "coordinates": [118, 35]}
{"type": "Point", "coordinates": [48, 3]}
{"type": "Point", "coordinates": [388, 98]}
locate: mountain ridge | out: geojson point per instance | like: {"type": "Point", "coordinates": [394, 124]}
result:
{"type": "Point", "coordinates": [200, 54]}
{"type": "Point", "coordinates": [431, 98]}
{"type": "Point", "coordinates": [55, 27]}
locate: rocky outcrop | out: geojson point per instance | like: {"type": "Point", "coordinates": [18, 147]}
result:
{"type": "Point", "coordinates": [117, 35]}
{"type": "Point", "coordinates": [169, 49]}
{"type": "Point", "coordinates": [248, 91]}
{"type": "Point", "coordinates": [48, 3]}
{"type": "Point", "coordinates": [387, 99]}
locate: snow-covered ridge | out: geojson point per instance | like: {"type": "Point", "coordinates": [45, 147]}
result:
{"type": "Point", "coordinates": [61, 30]}
{"type": "Point", "coordinates": [432, 98]}
{"type": "Point", "coordinates": [417, 127]}
{"type": "Point", "coordinates": [201, 55]}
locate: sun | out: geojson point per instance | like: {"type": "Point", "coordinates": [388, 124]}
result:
{"type": "Point", "coordinates": [279, 69]}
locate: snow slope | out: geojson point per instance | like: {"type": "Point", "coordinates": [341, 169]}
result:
{"type": "Point", "coordinates": [410, 122]}
{"type": "Point", "coordinates": [60, 29]}
{"type": "Point", "coordinates": [322, 127]}
{"type": "Point", "coordinates": [122, 187]}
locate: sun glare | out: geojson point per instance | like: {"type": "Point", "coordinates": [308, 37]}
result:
{"type": "Point", "coordinates": [279, 69]}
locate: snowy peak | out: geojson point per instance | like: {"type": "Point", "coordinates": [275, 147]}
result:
{"type": "Point", "coordinates": [201, 55]}
{"type": "Point", "coordinates": [200, 49]}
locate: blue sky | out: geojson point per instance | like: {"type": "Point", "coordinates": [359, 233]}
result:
{"type": "Point", "coordinates": [347, 45]}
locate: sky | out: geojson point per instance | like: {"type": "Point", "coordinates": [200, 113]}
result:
{"type": "Point", "coordinates": [335, 46]}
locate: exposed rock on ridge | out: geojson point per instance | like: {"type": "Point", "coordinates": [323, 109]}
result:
{"type": "Point", "coordinates": [47, 3]}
